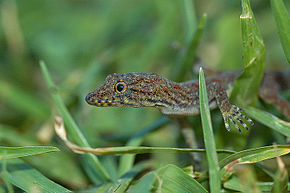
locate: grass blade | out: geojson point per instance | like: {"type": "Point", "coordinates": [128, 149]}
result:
{"type": "Point", "coordinates": [75, 133]}
{"type": "Point", "coordinates": [28, 179]}
{"type": "Point", "coordinates": [167, 179]}
{"type": "Point", "coordinates": [283, 25]}
{"type": "Point", "coordinates": [269, 120]}
{"type": "Point", "coordinates": [190, 18]}
{"type": "Point", "coordinates": [187, 60]}
{"type": "Point", "coordinates": [249, 156]}
{"type": "Point", "coordinates": [16, 152]}
{"type": "Point", "coordinates": [256, 154]}
{"type": "Point", "coordinates": [214, 180]}
{"type": "Point", "coordinates": [60, 131]}
{"type": "Point", "coordinates": [246, 86]}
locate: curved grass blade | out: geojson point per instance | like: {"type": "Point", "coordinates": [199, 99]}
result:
{"type": "Point", "coordinates": [211, 153]}
{"type": "Point", "coordinates": [96, 167]}
{"type": "Point", "coordinates": [60, 131]}
{"type": "Point", "coordinates": [16, 152]}
{"type": "Point", "coordinates": [248, 156]}
{"type": "Point", "coordinates": [29, 179]}
{"type": "Point", "coordinates": [269, 120]}
{"type": "Point", "coordinates": [255, 155]}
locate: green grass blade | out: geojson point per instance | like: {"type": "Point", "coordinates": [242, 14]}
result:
{"type": "Point", "coordinates": [167, 179]}
{"type": "Point", "coordinates": [214, 180]}
{"type": "Point", "coordinates": [256, 154]}
{"type": "Point", "coordinates": [269, 120]}
{"type": "Point", "coordinates": [73, 129]}
{"type": "Point", "coordinates": [246, 86]}
{"type": "Point", "coordinates": [190, 18]}
{"type": "Point", "coordinates": [250, 156]}
{"type": "Point", "coordinates": [16, 152]}
{"type": "Point", "coordinates": [126, 161]}
{"type": "Point", "coordinates": [28, 179]}
{"type": "Point", "coordinates": [187, 60]}
{"type": "Point", "coordinates": [143, 185]}
{"type": "Point", "coordinates": [283, 25]}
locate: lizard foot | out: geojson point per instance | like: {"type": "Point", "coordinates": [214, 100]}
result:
{"type": "Point", "coordinates": [234, 115]}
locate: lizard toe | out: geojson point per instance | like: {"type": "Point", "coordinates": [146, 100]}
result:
{"type": "Point", "coordinates": [235, 116]}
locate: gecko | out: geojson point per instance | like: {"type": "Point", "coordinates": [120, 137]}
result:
{"type": "Point", "coordinates": [142, 89]}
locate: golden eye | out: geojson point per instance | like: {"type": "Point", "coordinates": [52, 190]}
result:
{"type": "Point", "coordinates": [120, 87]}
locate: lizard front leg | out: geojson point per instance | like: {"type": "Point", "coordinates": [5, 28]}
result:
{"type": "Point", "coordinates": [229, 111]}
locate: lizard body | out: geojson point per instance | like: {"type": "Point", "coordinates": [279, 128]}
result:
{"type": "Point", "coordinates": [171, 98]}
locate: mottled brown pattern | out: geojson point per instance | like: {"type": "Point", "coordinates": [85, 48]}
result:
{"type": "Point", "coordinates": [171, 98]}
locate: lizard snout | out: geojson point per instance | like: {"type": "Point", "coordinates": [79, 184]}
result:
{"type": "Point", "coordinates": [90, 98]}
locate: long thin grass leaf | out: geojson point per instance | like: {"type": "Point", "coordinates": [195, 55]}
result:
{"type": "Point", "coordinates": [283, 25]}
{"type": "Point", "coordinates": [214, 180]}
{"type": "Point", "coordinates": [16, 152]}
{"type": "Point", "coordinates": [28, 179]}
{"type": "Point", "coordinates": [74, 130]}
{"type": "Point", "coordinates": [187, 59]}
{"type": "Point", "coordinates": [269, 120]}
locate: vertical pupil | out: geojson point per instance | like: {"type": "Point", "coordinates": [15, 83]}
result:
{"type": "Point", "coordinates": [120, 87]}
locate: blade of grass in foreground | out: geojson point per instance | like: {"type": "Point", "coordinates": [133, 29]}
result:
{"type": "Point", "coordinates": [249, 156]}
{"type": "Point", "coordinates": [283, 25]}
{"type": "Point", "coordinates": [256, 154]}
{"type": "Point", "coordinates": [214, 178]}
{"type": "Point", "coordinates": [269, 120]}
{"type": "Point", "coordinates": [16, 152]}
{"type": "Point", "coordinates": [246, 86]}
{"type": "Point", "coordinates": [169, 178]}
{"type": "Point", "coordinates": [60, 131]}
{"type": "Point", "coordinates": [28, 179]}
{"type": "Point", "coordinates": [101, 174]}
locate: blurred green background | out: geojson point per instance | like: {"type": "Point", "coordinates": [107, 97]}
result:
{"type": "Point", "coordinates": [83, 41]}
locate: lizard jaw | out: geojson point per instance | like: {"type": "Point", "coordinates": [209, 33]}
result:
{"type": "Point", "coordinates": [91, 100]}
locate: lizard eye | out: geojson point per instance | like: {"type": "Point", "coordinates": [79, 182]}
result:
{"type": "Point", "coordinates": [120, 87]}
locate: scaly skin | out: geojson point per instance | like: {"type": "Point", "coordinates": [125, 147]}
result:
{"type": "Point", "coordinates": [171, 98]}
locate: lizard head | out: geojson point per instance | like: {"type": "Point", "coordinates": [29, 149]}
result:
{"type": "Point", "coordinates": [129, 89]}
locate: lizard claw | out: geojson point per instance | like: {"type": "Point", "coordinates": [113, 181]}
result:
{"type": "Point", "coordinates": [234, 115]}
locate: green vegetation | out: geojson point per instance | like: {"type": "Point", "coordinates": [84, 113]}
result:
{"type": "Point", "coordinates": [80, 42]}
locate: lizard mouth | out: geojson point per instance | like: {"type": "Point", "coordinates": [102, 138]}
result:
{"type": "Point", "coordinates": [90, 99]}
